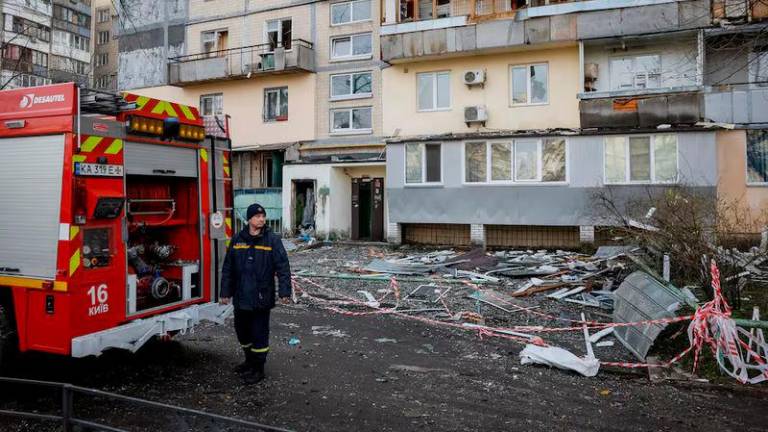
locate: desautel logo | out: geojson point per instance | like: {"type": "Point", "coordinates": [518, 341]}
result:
{"type": "Point", "coordinates": [30, 99]}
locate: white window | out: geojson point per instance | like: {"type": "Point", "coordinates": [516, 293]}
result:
{"type": "Point", "coordinates": [276, 104]}
{"type": "Point", "coordinates": [278, 33]}
{"type": "Point", "coordinates": [212, 104]}
{"type": "Point", "coordinates": [351, 85]}
{"type": "Point", "coordinates": [103, 37]}
{"type": "Point", "coordinates": [213, 41]}
{"type": "Point", "coordinates": [352, 120]}
{"type": "Point", "coordinates": [635, 72]}
{"type": "Point", "coordinates": [641, 159]}
{"type": "Point", "coordinates": [434, 91]}
{"type": "Point", "coordinates": [352, 47]}
{"type": "Point", "coordinates": [350, 11]}
{"type": "Point", "coordinates": [529, 84]}
{"type": "Point", "coordinates": [520, 160]}
{"type": "Point", "coordinates": [102, 59]}
{"type": "Point", "coordinates": [423, 163]}
{"type": "Point", "coordinates": [103, 15]}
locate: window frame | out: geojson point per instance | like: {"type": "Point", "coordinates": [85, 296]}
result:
{"type": "Point", "coordinates": [652, 165]}
{"type": "Point", "coordinates": [351, 56]}
{"type": "Point", "coordinates": [212, 97]}
{"type": "Point", "coordinates": [102, 40]}
{"type": "Point", "coordinates": [278, 118]}
{"type": "Point", "coordinates": [351, 130]}
{"type": "Point", "coordinates": [746, 166]}
{"type": "Point", "coordinates": [217, 37]}
{"type": "Point", "coordinates": [513, 181]}
{"type": "Point", "coordinates": [434, 75]}
{"type": "Point", "coordinates": [100, 15]}
{"type": "Point", "coordinates": [510, 84]}
{"type": "Point", "coordinates": [423, 182]}
{"type": "Point", "coordinates": [280, 42]}
{"type": "Point", "coordinates": [352, 20]}
{"type": "Point", "coordinates": [350, 96]}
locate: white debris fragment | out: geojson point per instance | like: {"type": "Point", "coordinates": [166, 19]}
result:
{"type": "Point", "coordinates": [559, 358]}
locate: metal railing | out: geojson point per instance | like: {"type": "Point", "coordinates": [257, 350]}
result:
{"type": "Point", "coordinates": [68, 419]}
{"type": "Point", "coordinates": [240, 61]}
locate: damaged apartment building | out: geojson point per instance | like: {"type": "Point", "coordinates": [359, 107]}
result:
{"type": "Point", "coordinates": [298, 82]}
{"type": "Point", "coordinates": [505, 118]}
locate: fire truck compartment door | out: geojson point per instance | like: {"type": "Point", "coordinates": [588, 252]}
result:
{"type": "Point", "coordinates": [151, 159]}
{"type": "Point", "coordinates": [31, 171]}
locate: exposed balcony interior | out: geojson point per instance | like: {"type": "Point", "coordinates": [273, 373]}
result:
{"type": "Point", "coordinates": [242, 63]}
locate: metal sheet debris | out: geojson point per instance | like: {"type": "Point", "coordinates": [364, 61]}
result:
{"type": "Point", "coordinates": [559, 358]}
{"type": "Point", "coordinates": [640, 297]}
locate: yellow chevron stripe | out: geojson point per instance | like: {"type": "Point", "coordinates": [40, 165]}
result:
{"type": "Point", "coordinates": [164, 107]}
{"type": "Point", "coordinates": [141, 101]}
{"type": "Point", "coordinates": [187, 112]}
{"type": "Point", "coordinates": [76, 159]}
{"type": "Point", "coordinates": [226, 170]}
{"type": "Point", "coordinates": [90, 143]}
{"type": "Point", "coordinates": [74, 262]}
{"type": "Point", "coordinates": [73, 232]}
{"type": "Point", "coordinates": [204, 155]}
{"type": "Point", "coordinates": [114, 148]}
{"type": "Point", "coordinates": [228, 221]}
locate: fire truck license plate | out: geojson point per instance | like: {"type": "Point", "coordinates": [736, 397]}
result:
{"type": "Point", "coordinates": [91, 169]}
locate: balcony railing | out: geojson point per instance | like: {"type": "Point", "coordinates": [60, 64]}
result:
{"type": "Point", "coordinates": [242, 62]}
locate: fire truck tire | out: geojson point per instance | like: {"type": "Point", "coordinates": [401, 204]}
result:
{"type": "Point", "coordinates": [7, 337]}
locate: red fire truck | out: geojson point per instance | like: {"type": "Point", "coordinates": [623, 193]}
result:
{"type": "Point", "coordinates": [115, 211]}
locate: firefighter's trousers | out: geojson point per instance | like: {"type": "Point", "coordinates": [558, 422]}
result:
{"type": "Point", "coordinates": [252, 328]}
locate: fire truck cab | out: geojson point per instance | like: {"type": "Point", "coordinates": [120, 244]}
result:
{"type": "Point", "coordinates": [115, 213]}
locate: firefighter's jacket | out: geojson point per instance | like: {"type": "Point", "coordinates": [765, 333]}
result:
{"type": "Point", "coordinates": [250, 267]}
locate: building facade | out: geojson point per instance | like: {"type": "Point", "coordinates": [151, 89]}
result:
{"type": "Point", "coordinates": [105, 50]}
{"type": "Point", "coordinates": [26, 43]}
{"type": "Point", "coordinates": [300, 85]}
{"type": "Point", "coordinates": [507, 118]}
{"type": "Point", "coordinates": [71, 48]}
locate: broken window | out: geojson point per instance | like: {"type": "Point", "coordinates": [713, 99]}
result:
{"type": "Point", "coordinates": [635, 72]}
{"type": "Point", "coordinates": [526, 160]}
{"type": "Point", "coordinates": [758, 65]}
{"type": "Point", "coordinates": [529, 84]}
{"type": "Point", "coordinates": [423, 163]}
{"type": "Point", "coordinates": [501, 161]}
{"type": "Point", "coordinates": [434, 91]}
{"type": "Point", "coordinates": [757, 156]}
{"type": "Point", "coordinates": [276, 104]}
{"type": "Point", "coordinates": [279, 34]}
{"type": "Point", "coordinates": [641, 159]}
{"type": "Point", "coordinates": [214, 40]}
{"type": "Point", "coordinates": [475, 162]}
{"type": "Point", "coordinates": [553, 160]}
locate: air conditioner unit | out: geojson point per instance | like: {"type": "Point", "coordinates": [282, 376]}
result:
{"type": "Point", "coordinates": [474, 77]}
{"type": "Point", "coordinates": [475, 114]}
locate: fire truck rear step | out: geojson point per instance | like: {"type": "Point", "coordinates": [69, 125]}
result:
{"type": "Point", "coordinates": [134, 335]}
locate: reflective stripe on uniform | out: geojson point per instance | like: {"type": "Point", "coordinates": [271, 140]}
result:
{"type": "Point", "coordinates": [266, 248]}
{"type": "Point", "coordinates": [260, 350]}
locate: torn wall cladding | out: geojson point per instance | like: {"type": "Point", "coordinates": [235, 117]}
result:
{"type": "Point", "coordinates": [512, 33]}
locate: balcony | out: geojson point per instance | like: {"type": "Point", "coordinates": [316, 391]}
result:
{"type": "Point", "coordinates": [241, 63]}
{"type": "Point", "coordinates": [745, 104]}
{"type": "Point", "coordinates": [460, 27]}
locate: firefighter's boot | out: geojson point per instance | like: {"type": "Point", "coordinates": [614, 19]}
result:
{"type": "Point", "coordinates": [247, 365]}
{"type": "Point", "coordinates": [256, 373]}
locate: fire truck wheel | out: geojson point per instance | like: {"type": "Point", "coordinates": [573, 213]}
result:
{"type": "Point", "coordinates": [7, 337]}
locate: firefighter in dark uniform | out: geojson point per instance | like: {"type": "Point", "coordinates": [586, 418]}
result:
{"type": "Point", "coordinates": [255, 256]}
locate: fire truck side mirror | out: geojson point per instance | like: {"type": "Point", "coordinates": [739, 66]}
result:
{"type": "Point", "coordinates": [171, 128]}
